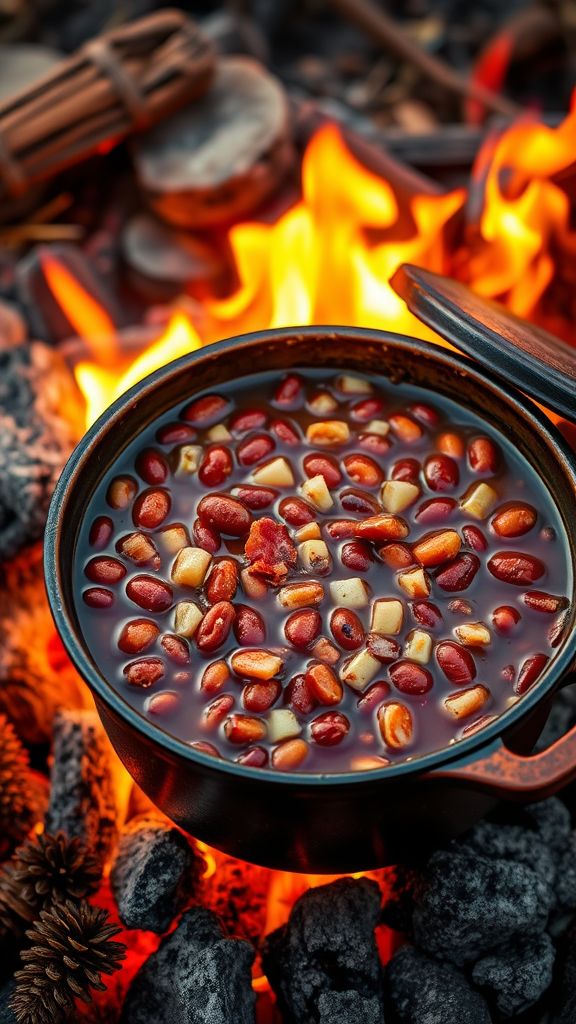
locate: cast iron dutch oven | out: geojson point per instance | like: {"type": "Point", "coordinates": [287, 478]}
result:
{"type": "Point", "coordinates": [352, 820]}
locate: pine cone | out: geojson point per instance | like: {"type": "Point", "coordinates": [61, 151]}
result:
{"type": "Point", "coordinates": [44, 870]}
{"type": "Point", "coordinates": [71, 950]}
{"type": "Point", "coordinates": [19, 797]}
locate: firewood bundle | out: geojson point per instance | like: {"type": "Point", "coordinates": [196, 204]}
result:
{"type": "Point", "coordinates": [123, 81]}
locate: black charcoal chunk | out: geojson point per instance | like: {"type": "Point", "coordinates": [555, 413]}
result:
{"type": "Point", "coordinates": [566, 875]}
{"type": "Point", "coordinates": [327, 945]}
{"type": "Point", "coordinates": [469, 903]}
{"type": "Point", "coordinates": [83, 792]}
{"type": "Point", "coordinates": [197, 976]}
{"type": "Point", "coordinates": [155, 874]}
{"type": "Point", "coordinates": [552, 820]}
{"type": "Point", "coordinates": [513, 843]}
{"type": "Point", "coordinates": [349, 1008]}
{"type": "Point", "coordinates": [516, 976]}
{"type": "Point", "coordinates": [7, 1015]}
{"type": "Point", "coordinates": [564, 991]}
{"type": "Point", "coordinates": [423, 991]}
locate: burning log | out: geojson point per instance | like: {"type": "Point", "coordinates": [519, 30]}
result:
{"type": "Point", "coordinates": [123, 81]}
{"type": "Point", "coordinates": [41, 415]}
{"type": "Point", "coordinates": [328, 946]}
{"type": "Point", "coordinates": [157, 871]}
{"type": "Point", "coordinates": [85, 802]}
{"type": "Point", "coordinates": [197, 974]}
{"type": "Point", "coordinates": [36, 677]}
{"type": "Point", "coordinates": [218, 160]}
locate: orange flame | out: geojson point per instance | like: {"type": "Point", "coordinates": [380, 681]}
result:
{"type": "Point", "coordinates": [329, 258]}
{"type": "Point", "coordinates": [88, 318]}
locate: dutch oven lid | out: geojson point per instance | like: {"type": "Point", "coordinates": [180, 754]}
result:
{"type": "Point", "coordinates": [521, 354]}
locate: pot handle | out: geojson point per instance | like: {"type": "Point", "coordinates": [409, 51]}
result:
{"type": "Point", "coordinates": [499, 771]}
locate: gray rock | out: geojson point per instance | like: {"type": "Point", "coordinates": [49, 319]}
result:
{"type": "Point", "coordinates": [423, 991]}
{"type": "Point", "coordinates": [154, 875]}
{"type": "Point", "coordinates": [196, 976]}
{"type": "Point", "coordinates": [470, 903]}
{"type": "Point", "coordinates": [516, 976]}
{"type": "Point", "coordinates": [349, 1008]}
{"type": "Point", "coordinates": [328, 945]}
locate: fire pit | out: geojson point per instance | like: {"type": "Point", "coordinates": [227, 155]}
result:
{"type": "Point", "coordinates": [171, 186]}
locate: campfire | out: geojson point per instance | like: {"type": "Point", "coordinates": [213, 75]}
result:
{"type": "Point", "coordinates": [108, 912]}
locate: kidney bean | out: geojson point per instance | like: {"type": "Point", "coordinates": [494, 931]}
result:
{"type": "Point", "coordinates": [150, 593]}
{"type": "Point", "coordinates": [437, 547]}
{"type": "Point", "coordinates": [508, 673]}
{"type": "Point", "coordinates": [397, 556]}
{"type": "Point", "coordinates": [205, 410]}
{"type": "Point", "coordinates": [408, 677]}
{"type": "Point", "coordinates": [254, 757]}
{"type": "Point", "coordinates": [382, 527]}
{"type": "Point", "coordinates": [244, 729]}
{"type": "Point", "coordinates": [325, 651]}
{"type": "Point", "coordinates": [144, 672]}
{"type": "Point", "coordinates": [367, 409]}
{"type": "Point", "coordinates": [324, 684]}
{"type": "Point", "coordinates": [427, 614]}
{"type": "Point", "coordinates": [425, 413]}
{"type": "Point", "coordinates": [98, 597]}
{"type": "Point", "coordinates": [451, 444]}
{"type": "Point", "coordinates": [385, 648]}
{"type": "Point", "coordinates": [255, 498]}
{"type": "Point", "coordinates": [137, 635]}
{"type": "Point", "coordinates": [435, 510]}
{"type": "Point", "coordinates": [215, 626]}
{"type": "Point", "coordinates": [363, 470]}
{"type": "Point", "coordinates": [222, 582]}
{"type": "Point", "coordinates": [299, 695]}
{"type": "Point", "coordinates": [514, 519]}
{"type": "Point", "coordinates": [140, 549]}
{"type": "Point", "coordinates": [249, 626]}
{"type": "Point", "coordinates": [152, 467]}
{"type": "Point", "coordinates": [289, 755]}
{"type": "Point", "coordinates": [215, 677]}
{"type": "Point", "coordinates": [456, 662]}
{"type": "Point", "coordinates": [323, 465]}
{"type": "Point", "coordinates": [460, 607]}
{"type": "Point", "coordinates": [557, 630]}
{"type": "Point", "coordinates": [100, 532]}
{"type": "Point", "coordinates": [151, 508]}
{"type": "Point", "coordinates": [216, 712]}
{"type": "Point", "coordinates": [529, 672]}
{"type": "Point", "coordinates": [206, 748]}
{"type": "Point", "coordinates": [216, 466]}
{"type": "Point", "coordinates": [176, 648]}
{"type": "Point", "coordinates": [296, 511]}
{"type": "Point", "coordinates": [357, 556]}
{"type": "Point", "coordinates": [505, 618]}
{"type": "Point", "coordinates": [302, 627]}
{"type": "Point", "coordinates": [225, 514]}
{"type": "Point", "coordinates": [254, 448]}
{"type": "Point", "coordinates": [474, 538]}
{"type": "Point", "coordinates": [175, 433]}
{"type": "Point", "coordinates": [361, 502]}
{"type": "Point", "coordinates": [206, 537]}
{"type": "Point", "coordinates": [103, 569]}
{"type": "Point", "coordinates": [516, 568]}
{"type": "Point", "coordinates": [121, 492]}
{"type": "Point", "coordinates": [376, 444]}
{"type": "Point", "coordinates": [459, 573]}
{"type": "Point", "coordinates": [441, 473]}
{"type": "Point", "coordinates": [290, 390]}
{"type": "Point", "coordinates": [347, 629]}
{"type": "Point", "coordinates": [373, 697]}
{"type": "Point", "coordinates": [538, 601]}
{"type": "Point", "coordinates": [405, 428]}
{"type": "Point", "coordinates": [247, 419]}
{"type": "Point", "coordinates": [483, 455]}
{"type": "Point", "coordinates": [340, 529]}
{"type": "Point", "coordinates": [329, 728]}
{"type": "Point", "coordinates": [163, 704]}
{"type": "Point", "coordinates": [396, 725]}
{"type": "Point", "coordinates": [406, 470]}
{"type": "Point", "coordinates": [285, 432]}
{"type": "Point", "coordinates": [259, 697]}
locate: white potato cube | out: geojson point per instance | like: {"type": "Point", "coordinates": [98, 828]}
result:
{"type": "Point", "coordinates": [315, 490]}
{"type": "Point", "coordinates": [479, 500]}
{"type": "Point", "coordinates": [219, 433]}
{"type": "Point", "coordinates": [187, 618]}
{"type": "Point", "coordinates": [190, 567]}
{"type": "Point", "coordinates": [358, 672]}
{"type": "Point", "coordinates": [189, 456]}
{"type": "Point", "coordinates": [350, 593]}
{"type": "Point", "coordinates": [418, 646]}
{"type": "Point", "coordinates": [315, 557]}
{"type": "Point", "coordinates": [387, 616]}
{"type": "Point", "coordinates": [473, 634]}
{"type": "Point", "coordinates": [173, 538]}
{"type": "Point", "coordinates": [310, 531]}
{"type": "Point", "coordinates": [277, 473]}
{"type": "Point", "coordinates": [282, 725]}
{"type": "Point", "coordinates": [322, 404]}
{"type": "Point", "coordinates": [353, 385]}
{"type": "Point", "coordinates": [396, 495]}
{"type": "Point", "coordinates": [377, 427]}
{"type": "Point", "coordinates": [414, 582]}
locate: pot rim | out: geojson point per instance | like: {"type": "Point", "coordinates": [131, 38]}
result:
{"type": "Point", "coordinates": [149, 732]}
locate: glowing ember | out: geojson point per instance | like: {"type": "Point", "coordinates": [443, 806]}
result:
{"type": "Point", "coordinates": [329, 259]}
